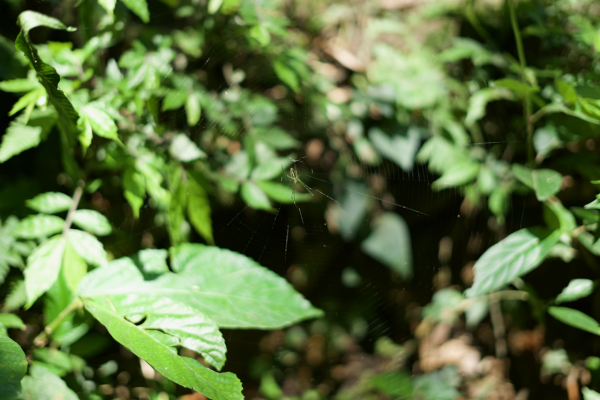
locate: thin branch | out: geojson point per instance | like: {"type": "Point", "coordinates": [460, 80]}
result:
{"type": "Point", "coordinates": [42, 339]}
{"type": "Point", "coordinates": [498, 326]}
{"type": "Point", "coordinates": [523, 65]}
{"type": "Point", "coordinates": [76, 198]}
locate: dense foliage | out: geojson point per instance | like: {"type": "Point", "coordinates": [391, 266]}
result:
{"type": "Point", "coordinates": [427, 172]}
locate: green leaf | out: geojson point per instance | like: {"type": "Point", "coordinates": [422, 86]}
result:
{"type": "Point", "coordinates": [13, 366]}
{"type": "Point", "coordinates": [560, 217]}
{"type": "Point", "coordinates": [92, 221]}
{"type": "Point", "coordinates": [109, 6]}
{"type": "Point", "coordinates": [37, 226]}
{"type": "Point", "coordinates": [286, 74]}
{"type": "Point", "coordinates": [183, 149]}
{"type": "Point", "coordinates": [192, 108]}
{"type": "Point", "coordinates": [178, 228]}
{"type": "Point", "coordinates": [275, 137]}
{"type": "Point", "coordinates": [139, 8]}
{"type": "Point", "coordinates": [480, 99]}
{"type": "Point", "coordinates": [396, 384]}
{"type": "Point", "coordinates": [43, 266]}
{"type": "Point", "coordinates": [154, 261]}
{"type": "Point", "coordinates": [514, 256]}
{"type": "Point", "coordinates": [54, 360]}
{"type": "Point", "coordinates": [199, 210]}
{"type": "Point", "coordinates": [261, 34]}
{"type": "Point", "coordinates": [87, 246]}
{"type": "Point", "coordinates": [282, 193]}
{"type": "Point", "coordinates": [255, 197]}
{"type": "Point", "coordinates": [17, 296]}
{"type": "Point", "coordinates": [67, 117]}
{"type": "Point", "coordinates": [270, 169]}
{"type": "Point", "coordinates": [589, 394]}
{"type": "Point", "coordinates": [517, 87]}
{"type": "Point", "coordinates": [544, 182]}
{"type": "Point", "coordinates": [399, 149]}
{"type": "Point", "coordinates": [73, 269]}
{"type": "Point", "coordinates": [269, 387]}
{"type": "Point", "coordinates": [100, 122]}
{"type": "Point", "coordinates": [576, 289]}
{"type": "Point", "coordinates": [134, 190]}
{"type": "Point", "coordinates": [568, 92]}
{"type": "Point", "coordinates": [19, 85]}
{"type": "Point", "coordinates": [174, 99]}
{"type": "Point", "coordinates": [575, 318]}
{"type": "Point", "coordinates": [214, 5]}
{"type": "Point", "coordinates": [150, 346]}
{"type": "Point", "coordinates": [50, 202]}
{"type": "Point", "coordinates": [28, 101]}
{"type": "Point", "coordinates": [11, 321]}
{"type": "Point", "coordinates": [191, 328]}
{"type": "Point", "coordinates": [17, 139]}
{"type": "Point", "coordinates": [41, 384]}
{"type": "Point", "coordinates": [231, 289]}
{"type": "Point", "coordinates": [457, 175]}
{"type": "Point", "coordinates": [389, 243]}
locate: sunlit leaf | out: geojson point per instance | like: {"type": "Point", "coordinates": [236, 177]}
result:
{"type": "Point", "coordinates": [43, 266]}
{"type": "Point", "coordinates": [183, 149]}
{"type": "Point", "coordinates": [92, 221]}
{"type": "Point", "coordinates": [37, 226]}
{"type": "Point", "coordinates": [87, 246]}
{"type": "Point", "coordinates": [192, 108]}
{"type": "Point", "coordinates": [576, 289]}
{"type": "Point", "coordinates": [50, 202]}
{"type": "Point", "coordinates": [231, 289]}
{"type": "Point", "coordinates": [139, 8]}
{"type": "Point", "coordinates": [11, 321]}
{"type": "Point", "coordinates": [282, 193]}
{"type": "Point", "coordinates": [545, 182]}
{"type": "Point", "coordinates": [150, 346]}
{"type": "Point", "coordinates": [398, 148]}
{"type": "Point", "coordinates": [17, 139]}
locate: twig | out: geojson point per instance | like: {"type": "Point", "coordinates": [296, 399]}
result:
{"type": "Point", "coordinates": [76, 198]}
{"type": "Point", "coordinates": [42, 338]}
{"type": "Point", "coordinates": [523, 65]}
{"type": "Point", "coordinates": [498, 326]}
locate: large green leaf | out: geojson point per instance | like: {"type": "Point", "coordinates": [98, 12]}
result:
{"type": "Point", "coordinates": [231, 289]}
{"type": "Point", "coordinates": [576, 319]}
{"type": "Point", "coordinates": [390, 244]}
{"type": "Point", "coordinates": [43, 266]}
{"type": "Point", "coordinates": [67, 116]}
{"type": "Point", "coordinates": [193, 329]}
{"type": "Point", "coordinates": [13, 366]}
{"type": "Point", "coordinates": [516, 255]}
{"type": "Point", "coordinates": [50, 202]}
{"type": "Point", "coordinates": [41, 384]}
{"type": "Point", "coordinates": [151, 345]}
{"type": "Point", "coordinates": [183, 149]}
{"type": "Point", "coordinates": [400, 149]}
{"type": "Point", "coordinates": [139, 8]}
{"type": "Point", "coordinates": [282, 193]}
{"type": "Point", "coordinates": [37, 226]}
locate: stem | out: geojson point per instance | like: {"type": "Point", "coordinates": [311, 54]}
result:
{"type": "Point", "coordinates": [76, 198]}
{"type": "Point", "coordinates": [42, 338]}
{"type": "Point", "coordinates": [523, 65]}
{"type": "Point", "coordinates": [498, 326]}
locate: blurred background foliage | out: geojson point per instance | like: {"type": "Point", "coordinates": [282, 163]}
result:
{"type": "Point", "coordinates": [423, 133]}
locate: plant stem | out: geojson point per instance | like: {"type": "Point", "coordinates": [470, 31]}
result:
{"type": "Point", "coordinates": [41, 339]}
{"type": "Point", "coordinates": [498, 326]}
{"type": "Point", "coordinates": [523, 65]}
{"type": "Point", "coordinates": [76, 198]}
